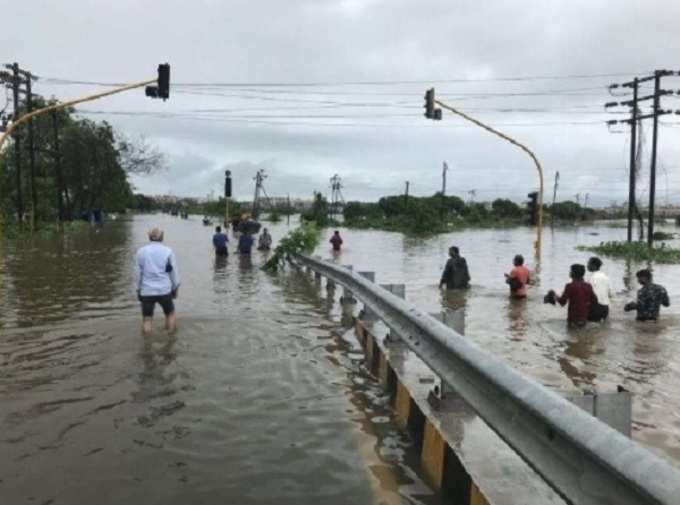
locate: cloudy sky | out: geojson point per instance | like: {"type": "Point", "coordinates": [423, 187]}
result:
{"type": "Point", "coordinates": [309, 88]}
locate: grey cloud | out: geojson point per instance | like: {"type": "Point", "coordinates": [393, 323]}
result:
{"type": "Point", "coordinates": [352, 40]}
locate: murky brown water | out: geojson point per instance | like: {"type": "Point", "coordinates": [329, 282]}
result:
{"type": "Point", "coordinates": [258, 398]}
{"type": "Point", "coordinates": [254, 399]}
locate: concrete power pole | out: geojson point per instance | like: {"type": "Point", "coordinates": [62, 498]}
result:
{"type": "Point", "coordinates": [557, 183]}
{"type": "Point", "coordinates": [445, 169]}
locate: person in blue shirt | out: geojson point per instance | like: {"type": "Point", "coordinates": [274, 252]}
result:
{"type": "Point", "coordinates": [245, 243]}
{"type": "Point", "coordinates": [156, 281]}
{"type": "Point", "coordinates": [220, 242]}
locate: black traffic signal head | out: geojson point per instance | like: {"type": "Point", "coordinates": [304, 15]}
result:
{"type": "Point", "coordinates": [163, 88]}
{"type": "Point", "coordinates": [151, 91]}
{"type": "Point", "coordinates": [164, 81]}
{"type": "Point", "coordinates": [227, 184]}
{"type": "Point", "coordinates": [429, 103]}
{"type": "Point", "coordinates": [532, 208]}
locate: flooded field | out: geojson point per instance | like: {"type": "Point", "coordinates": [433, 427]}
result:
{"type": "Point", "coordinates": [256, 397]}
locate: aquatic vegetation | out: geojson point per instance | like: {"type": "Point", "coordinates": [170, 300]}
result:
{"type": "Point", "coordinates": [637, 251]}
{"type": "Point", "coordinates": [300, 240]}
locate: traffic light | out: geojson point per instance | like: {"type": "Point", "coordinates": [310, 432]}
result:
{"type": "Point", "coordinates": [430, 111]}
{"type": "Point", "coordinates": [532, 208]}
{"type": "Point", "coordinates": [164, 81]}
{"type": "Point", "coordinates": [227, 184]}
{"type": "Point", "coordinates": [163, 88]}
{"type": "Point", "coordinates": [429, 103]}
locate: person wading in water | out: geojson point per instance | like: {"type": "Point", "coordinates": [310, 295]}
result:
{"type": "Point", "coordinates": [455, 274]}
{"type": "Point", "coordinates": [156, 281]}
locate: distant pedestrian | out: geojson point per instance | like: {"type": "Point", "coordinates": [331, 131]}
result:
{"type": "Point", "coordinates": [650, 297]}
{"type": "Point", "coordinates": [455, 274]}
{"type": "Point", "coordinates": [265, 241]}
{"type": "Point", "coordinates": [245, 243]}
{"type": "Point", "coordinates": [600, 282]}
{"type": "Point", "coordinates": [336, 240]}
{"type": "Point", "coordinates": [220, 240]}
{"type": "Point", "coordinates": [578, 293]}
{"type": "Point", "coordinates": [518, 278]}
{"type": "Point", "coordinates": [156, 280]}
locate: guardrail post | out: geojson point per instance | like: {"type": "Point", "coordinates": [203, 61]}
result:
{"type": "Point", "coordinates": [347, 295]}
{"type": "Point", "coordinates": [614, 409]}
{"type": "Point", "coordinates": [400, 291]}
{"type": "Point", "coordinates": [438, 392]}
{"type": "Point", "coordinates": [367, 314]}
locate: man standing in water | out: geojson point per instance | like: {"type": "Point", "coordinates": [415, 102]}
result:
{"type": "Point", "coordinates": [336, 241]}
{"type": "Point", "coordinates": [600, 283]}
{"type": "Point", "coordinates": [455, 274]}
{"type": "Point", "coordinates": [518, 278]}
{"type": "Point", "coordinates": [650, 297]}
{"type": "Point", "coordinates": [220, 242]}
{"type": "Point", "coordinates": [578, 293]}
{"type": "Point", "coordinates": [156, 280]}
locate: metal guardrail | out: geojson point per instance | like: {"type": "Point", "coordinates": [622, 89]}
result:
{"type": "Point", "coordinates": [583, 459]}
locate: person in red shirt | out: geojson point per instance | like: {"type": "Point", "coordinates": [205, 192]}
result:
{"type": "Point", "coordinates": [578, 293]}
{"type": "Point", "coordinates": [336, 240]}
{"type": "Point", "coordinates": [518, 278]}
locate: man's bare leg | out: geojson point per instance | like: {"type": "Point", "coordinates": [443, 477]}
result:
{"type": "Point", "coordinates": [146, 325]}
{"type": "Point", "coordinates": [171, 322]}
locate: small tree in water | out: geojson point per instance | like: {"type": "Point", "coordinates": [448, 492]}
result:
{"type": "Point", "coordinates": [301, 240]}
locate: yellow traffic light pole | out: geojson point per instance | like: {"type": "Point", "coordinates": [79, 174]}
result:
{"type": "Point", "coordinates": [58, 106]}
{"type": "Point", "coordinates": [539, 225]}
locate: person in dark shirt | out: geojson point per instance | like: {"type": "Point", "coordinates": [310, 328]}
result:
{"type": "Point", "coordinates": [650, 297]}
{"type": "Point", "coordinates": [455, 274]}
{"type": "Point", "coordinates": [220, 242]}
{"type": "Point", "coordinates": [245, 243]}
{"type": "Point", "coordinates": [336, 240]}
{"type": "Point", "coordinates": [578, 293]}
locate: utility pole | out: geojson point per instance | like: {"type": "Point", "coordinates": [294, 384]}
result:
{"type": "Point", "coordinates": [585, 204]}
{"type": "Point", "coordinates": [288, 210]}
{"type": "Point", "coordinates": [259, 178]}
{"type": "Point", "coordinates": [31, 148]}
{"type": "Point", "coordinates": [631, 176]}
{"type": "Point", "coordinates": [652, 167]}
{"type": "Point", "coordinates": [445, 169]}
{"type": "Point", "coordinates": [406, 192]}
{"type": "Point", "coordinates": [635, 117]}
{"type": "Point", "coordinates": [57, 167]}
{"type": "Point", "coordinates": [16, 82]}
{"type": "Point", "coordinates": [337, 200]}
{"type": "Point", "coordinates": [557, 182]}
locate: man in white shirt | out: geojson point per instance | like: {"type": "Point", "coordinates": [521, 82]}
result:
{"type": "Point", "coordinates": [600, 282]}
{"type": "Point", "coordinates": [156, 280]}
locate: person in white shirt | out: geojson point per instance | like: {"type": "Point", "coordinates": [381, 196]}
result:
{"type": "Point", "coordinates": [156, 280]}
{"type": "Point", "coordinates": [600, 282]}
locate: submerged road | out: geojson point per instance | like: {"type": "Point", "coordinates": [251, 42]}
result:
{"type": "Point", "coordinates": [257, 398]}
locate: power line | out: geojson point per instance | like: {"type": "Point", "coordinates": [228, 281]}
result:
{"type": "Point", "coordinates": [58, 80]}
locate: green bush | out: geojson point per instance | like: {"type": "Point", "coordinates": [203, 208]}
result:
{"type": "Point", "coordinates": [636, 251]}
{"type": "Point", "coordinates": [300, 240]}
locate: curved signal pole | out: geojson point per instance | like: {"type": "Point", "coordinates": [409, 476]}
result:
{"type": "Point", "coordinates": [539, 168]}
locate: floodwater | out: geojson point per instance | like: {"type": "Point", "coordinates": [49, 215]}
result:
{"type": "Point", "coordinates": [260, 397]}
{"type": "Point", "coordinates": [643, 357]}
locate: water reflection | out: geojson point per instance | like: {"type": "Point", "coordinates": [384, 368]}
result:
{"type": "Point", "coordinates": [454, 305]}
{"type": "Point", "coordinates": [518, 325]}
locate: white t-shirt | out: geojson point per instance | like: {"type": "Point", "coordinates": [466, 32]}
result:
{"type": "Point", "coordinates": [600, 283]}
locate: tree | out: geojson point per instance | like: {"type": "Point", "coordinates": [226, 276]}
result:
{"type": "Point", "coordinates": [504, 208]}
{"type": "Point", "coordinates": [137, 156]}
